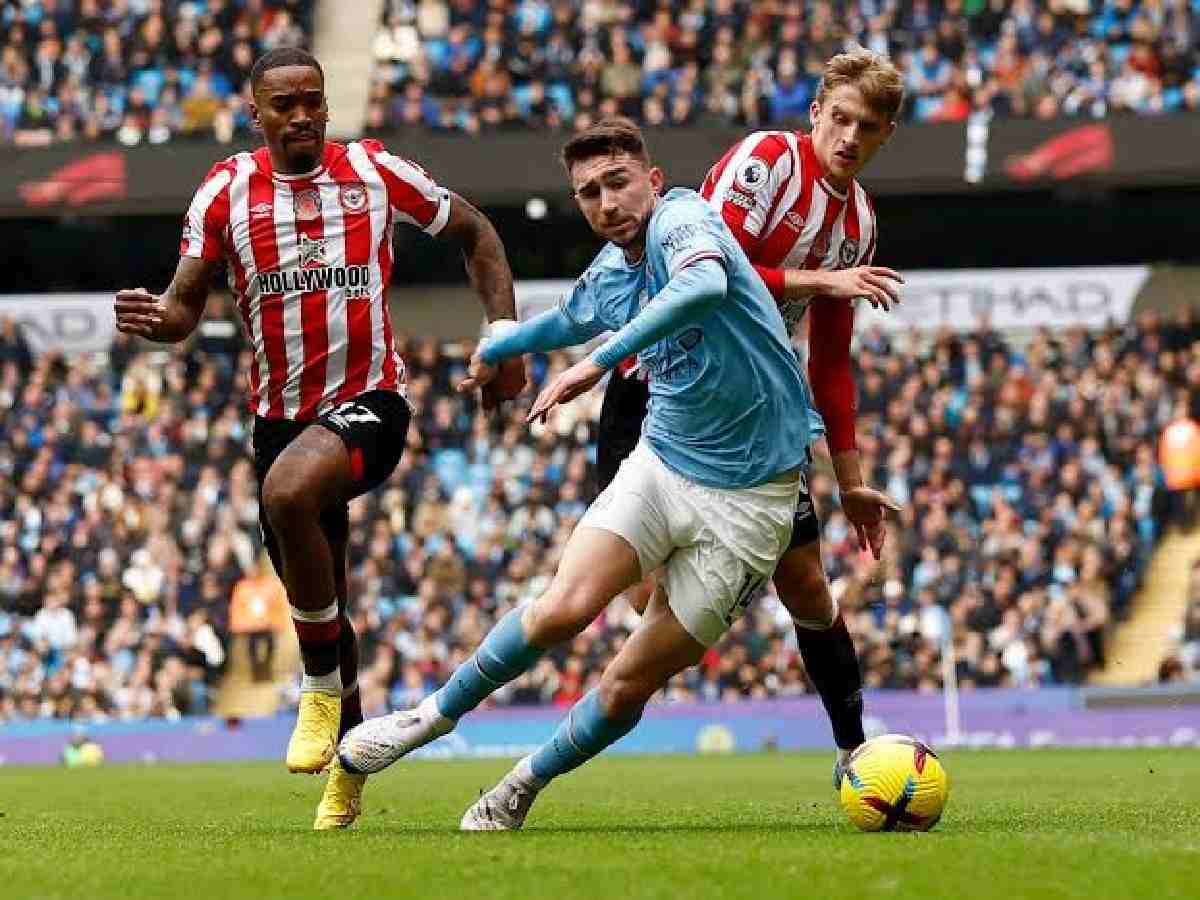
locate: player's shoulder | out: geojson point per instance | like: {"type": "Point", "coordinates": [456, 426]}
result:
{"type": "Point", "coordinates": [228, 167]}
{"type": "Point", "coordinates": [769, 145]}
{"type": "Point", "coordinates": [680, 209]}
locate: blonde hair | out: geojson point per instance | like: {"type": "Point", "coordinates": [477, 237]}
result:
{"type": "Point", "coordinates": [872, 73]}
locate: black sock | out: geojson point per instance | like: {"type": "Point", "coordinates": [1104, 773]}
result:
{"type": "Point", "coordinates": [351, 701]}
{"type": "Point", "coordinates": [832, 665]}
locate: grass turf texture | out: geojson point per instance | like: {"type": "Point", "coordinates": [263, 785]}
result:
{"type": "Point", "coordinates": [1117, 823]}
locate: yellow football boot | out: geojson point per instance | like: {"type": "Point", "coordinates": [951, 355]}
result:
{"type": "Point", "coordinates": [313, 741]}
{"type": "Point", "coordinates": [342, 801]}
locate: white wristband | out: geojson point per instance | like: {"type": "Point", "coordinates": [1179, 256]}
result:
{"type": "Point", "coordinates": [500, 327]}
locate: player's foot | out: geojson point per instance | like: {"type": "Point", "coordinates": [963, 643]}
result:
{"type": "Point", "coordinates": [377, 743]}
{"type": "Point", "coordinates": [342, 801]}
{"type": "Point", "coordinates": [503, 808]}
{"type": "Point", "coordinates": [839, 767]}
{"type": "Point", "coordinates": [313, 741]}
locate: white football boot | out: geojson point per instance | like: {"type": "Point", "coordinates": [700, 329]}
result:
{"type": "Point", "coordinates": [505, 806]}
{"type": "Point", "coordinates": [377, 743]}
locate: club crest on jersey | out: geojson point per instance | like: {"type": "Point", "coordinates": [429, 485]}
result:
{"type": "Point", "coordinates": [794, 220]}
{"type": "Point", "coordinates": [312, 252]}
{"type": "Point", "coordinates": [752, 175]}
{"type": "Point", "coordinates": [308, 206]}
{"type": "Point", "coordinates": [353, 197]}
{"type": "Point", "coordinates": [848, 252]}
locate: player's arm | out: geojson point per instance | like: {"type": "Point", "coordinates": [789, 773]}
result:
{"type": "Point", "coordinates": [175, 314]}
{"type": "Point", "coordinates": [491, 277]}
{"type": "Point", "coordinates": [692, 293]}
{"type": "Point", "coordinates": [877, 283]}
{"type": "Point", "coordinates": [484, 258]}
{"type": "Point", "coordinates": [831, 376]}
{"type": "Point", "coordinates": [553, 329]}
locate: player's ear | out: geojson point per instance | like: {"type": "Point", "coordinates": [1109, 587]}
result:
{"type": "Point", "coordinates": [255, 121]}
{"type": "Point", "coordinates": [814, 113]}
{"type": "Point", "coordinates": [657, 179]}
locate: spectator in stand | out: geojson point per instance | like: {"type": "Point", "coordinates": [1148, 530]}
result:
{"type": "Point", "coordinates": [90, 72]}
{"type": "Point", "coordinates": [1032, 506]}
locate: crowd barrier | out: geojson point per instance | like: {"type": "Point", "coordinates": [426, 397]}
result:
{"type": "Point", "coordinates": [1048, 717]}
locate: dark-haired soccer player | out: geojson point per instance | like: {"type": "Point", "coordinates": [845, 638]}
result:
{"type": "Point", "coordinates": [305, 226]}
{"type": "Point", "coordinates": [792, 202]}
{"type": "Point", "coordinates": [708, 495]}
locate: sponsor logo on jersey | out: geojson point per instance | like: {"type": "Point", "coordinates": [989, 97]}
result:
{"type": "Point", "coordinates": [848, 253]}
{"type": "Point", "coordinates": [752, 175]}
{"type": "Point", "coordinates": [738, 198]}
{"type": "Point", "coordinates": [679, 237]}
{"type": "Point", "coordinates": [260, 210]}
{"type": "Point", "coordinates": [353, 197]}
{"type": "Point", "coordinates": [354, 280]}
{"type": "Point", "coordinates": [312, 252]}
{"type": "Point", "coordinates": [308, 206]}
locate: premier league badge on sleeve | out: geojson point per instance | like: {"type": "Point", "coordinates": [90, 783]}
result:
{"type": "Point", "coordinates": [752, 175]}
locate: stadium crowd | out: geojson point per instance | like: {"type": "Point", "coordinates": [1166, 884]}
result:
{"type": "Point", "coordinates": [458, 65]}
{"type": "Point", "coordinates": [149, 70]}
{"type": "Point", "coordinates": [128, 513]}
{"type": "Point", "coordinates": [135, 70]}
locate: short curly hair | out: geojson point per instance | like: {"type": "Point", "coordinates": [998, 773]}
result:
{"type": "Point", "coordinates": [879, 80]}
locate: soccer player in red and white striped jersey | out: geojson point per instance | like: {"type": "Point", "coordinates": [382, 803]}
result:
{"type": "Point", "coordinates": [794, 204]}
{"type": "Point", "coordinates": [305, 226]}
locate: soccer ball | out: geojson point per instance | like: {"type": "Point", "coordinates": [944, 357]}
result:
{"type": "Point", "coordinates": [894, 783]}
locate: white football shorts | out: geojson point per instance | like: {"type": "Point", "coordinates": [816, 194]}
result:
{"type": "Point", "coordinates": [718, 547]}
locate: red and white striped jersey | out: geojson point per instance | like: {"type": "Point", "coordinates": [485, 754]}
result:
{"type": "Point", "coordinates": [310, 259]}
{"type": "Point", "coordinates": [770, 190]}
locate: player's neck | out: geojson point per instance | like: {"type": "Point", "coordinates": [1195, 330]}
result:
{"type": "Point", "coordinates": [291, 169]}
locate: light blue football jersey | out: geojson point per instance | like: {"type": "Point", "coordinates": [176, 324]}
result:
{"type": "Point", "coordinates": [729, 405]}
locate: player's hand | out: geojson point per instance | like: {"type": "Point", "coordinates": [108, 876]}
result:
{"type": "Point", "coordinates": [479, 373]}
{"type": "Point", "coordinates": [581, 377]}
{"type": "Point", "coordinates": [865, 508]}
{"type": "Point", "coordinates": [878, 284]}
{"type": "Point", "coordinates": [138, 312]}
{"type": "Point", "coordinates": [508, 383]}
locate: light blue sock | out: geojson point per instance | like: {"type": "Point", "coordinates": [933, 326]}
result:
{"type": "Point", "coordinates": [580, 736]}
{"type": "Point", "coordinates": [504, 655]}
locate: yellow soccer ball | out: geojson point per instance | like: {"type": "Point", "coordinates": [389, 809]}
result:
{"type": "Point", "coordinates": [894, 783]}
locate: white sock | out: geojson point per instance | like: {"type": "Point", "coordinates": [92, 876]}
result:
{"type": "Point", "coordinates": [523, 772]}
{"type": "Point", "coordinates": [328, 684]}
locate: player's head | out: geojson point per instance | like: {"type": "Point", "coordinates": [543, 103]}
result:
{"type": "Point", "coordinates": [288, 88]}
{"type": "Point", "coordinates": [613, 180]}
{"type": "Point", "coordinates": [855, 110]}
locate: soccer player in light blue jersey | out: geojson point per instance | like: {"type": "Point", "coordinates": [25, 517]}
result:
{"type": "Point", "coordinates": [707, 497]}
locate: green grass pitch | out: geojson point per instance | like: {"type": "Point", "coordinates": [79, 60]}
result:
{"type": "Point", "coordinates": [1051, 823]}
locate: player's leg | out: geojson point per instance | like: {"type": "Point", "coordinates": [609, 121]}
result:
{"type": "Point", "coordinates": [341, 801]}
{"type": "Point", "coordinates": [596, 566]}
{"type": "Point", "coordinates": [626, 399]}
{"type": "Point", "coordinates": [658, 649]}
{"type": "Point", "coordinates": [310, 475]}
{"type": "Point", "coordinates": [825, 644]}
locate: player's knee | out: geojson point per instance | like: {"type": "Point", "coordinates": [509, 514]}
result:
{"type": "Point", "coordinates": [559, 614]}
{"type": "Point", "coordinates": [804, 592]}
{"type": "Point", "coordinates": [623, 696]}
{"type": "Point", "coordinates": [285, 501]}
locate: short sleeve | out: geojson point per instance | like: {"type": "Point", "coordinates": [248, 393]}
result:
{"type": "Point", "coordinates": [207, 217]}
{"type": "Point", "coordinates": [413, 195]}
{"type": "Point", "coordinates": [682, 236]}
